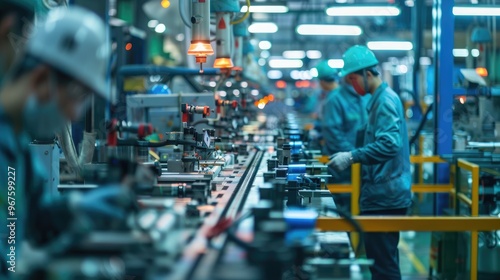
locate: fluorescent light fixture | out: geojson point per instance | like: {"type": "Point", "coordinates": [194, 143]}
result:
{"type": "Point", "coordinates": [465, 52]}
{"type": "Point", "coordinates": [152, 23]}
{"type": "Point", "coordinates": [460, 52]}
{"type": "Point", "coordinates": [329, 29]}
{"type": "Point", "coordinates": [294, 54]}
{"type": "Point", "coordinates": [295, 74]}
{"type": "Point", "coordinates": [364, 11]}
{"type": "Point", "coordinates": [266, 9]}
{"type": "Point", "coordinates": [402, 69]}
{"type": "Point", "coordinates": [313, 54]}
{"type": "Point", "coordinates": [263, 27]}
{"type": "Point", "coordinates": [265, 45]}
{"type": "Point", "coordinates": [476, 11]}
{"type": "Point", "coordinates": [409, 3]}
{"type": "Point", "coordinates": [285, 63]}
{"type": "Point", "coordinates": [314, 72]}
{"type": "Point", "coordinates": [336, 63]}
{"type": "Point", "coordinates": [273, 75]}
{"type": "Point", "coordinates": [341, 1]}
{"type": "Point", "coordinates": [424, 60]}
{"type": "Point", "coordinates": [390, 45]}
{"type": "Point", "coordinates": [265, 54]}
{"type": "Point", "coordinates": [261, 62]}
{"type": "Point", "coordinates": [160, 28]}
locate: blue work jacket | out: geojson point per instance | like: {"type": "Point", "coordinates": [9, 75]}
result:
{"type": "Point", "coordinates": [344, 114]}
{"type": "Point", "coordinates": [385, 156]}
{"type": "Point", "coordinates": [37, 218]}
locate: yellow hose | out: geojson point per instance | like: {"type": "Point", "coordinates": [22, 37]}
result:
{"type": "Point", "coordinates": [245, 16]}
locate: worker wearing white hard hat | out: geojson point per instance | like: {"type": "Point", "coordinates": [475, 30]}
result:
{"type": "Point", "coordinates": [63, 65]}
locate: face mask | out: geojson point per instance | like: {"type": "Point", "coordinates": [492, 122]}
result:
{"type": "Point", "coordinates": [42, 121]}
{"type": "Point", "coordinates": [359, 90]}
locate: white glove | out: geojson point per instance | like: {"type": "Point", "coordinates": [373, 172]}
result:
{"type": "Point", "coordinates": [313, 134]}
{"type": "Point", "coordinates": [340, 161]}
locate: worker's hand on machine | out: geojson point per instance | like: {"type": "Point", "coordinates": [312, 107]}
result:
{"type": "Point", "coordinates": [340, 161]}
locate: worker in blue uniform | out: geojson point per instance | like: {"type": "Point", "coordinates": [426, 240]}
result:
{"type": "Point", "coordinates": [385, 159]}
{"type": "Point", "coordinates": [328, 82]}
{"type": "Point", "coordinates": [344, 114]}
{"type": "Point", "coordinates": [63, 64]}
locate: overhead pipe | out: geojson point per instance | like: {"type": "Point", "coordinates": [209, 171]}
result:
{"type": "Point", "coordinates": [239, 31]}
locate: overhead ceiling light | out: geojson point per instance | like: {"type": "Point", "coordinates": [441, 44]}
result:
{"type": "Point", "coordinates": [160, 28]}
{"type": "Point", "coordinates": [329, 29]}
{"type": "Point", "coordinates": [424, 60]}
{"type": "Point", "coordinates": [474, 1]}
{"type": "Point", "coordinates": [465, 52]}
{"type": "Point", "coordinates": [285, 63]}
{"type": "Point", "coordinates": [336, 63]}
{"type": "Point", "coordinates": [265, 54]}
{"type": "Point", "coordinates": [265, 45]}
{"type": "Point", "coordinates": [295, 74]}
{"type": "Point", "coordinates": [460, 52]}
{"type": "Point", "coordinates": [363, 11]}
{"type": "Point", "coordinates": [390, 45]}
{"type": "Point", "coordinates": [313, 54]}
{"type": "Point", "coordinates": [274, 75]}
{"type": "Point", "coordinates": [314, 72]}
{"type": "Point", "coordinates": [263, 27]}
{"type": "Point", "coordinates": [294, 54]}
{"type": "Point", "coordinates": [476, 11]}
{"type": "Point", "coordinates": [341, 1]}
{"type": "Point", "coordinates": [266, 9]}
{"type": "Point", "coordinates": [152, 23]}
{"type": "Point", "coordinates": [261, 62]}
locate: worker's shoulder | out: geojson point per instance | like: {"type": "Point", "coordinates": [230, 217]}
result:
{"type": "Point", "coordinates": [389, 96]}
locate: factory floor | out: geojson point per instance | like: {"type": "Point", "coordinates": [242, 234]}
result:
{"type": "Point", "coordinates": [414, 252]}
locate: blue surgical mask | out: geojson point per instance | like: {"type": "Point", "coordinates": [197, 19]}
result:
{"type": "Point", "coordinates": [42, 120]}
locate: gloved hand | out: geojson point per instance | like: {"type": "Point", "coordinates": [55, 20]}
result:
{"type": "Point", "coordinates": [106, 202]}
{"type": "Point", "coordinates": [314, 134]}
{"type": "Point", "coordinates": [340, 161]}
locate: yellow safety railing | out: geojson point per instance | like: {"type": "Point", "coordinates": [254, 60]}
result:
{"type": "Point", "coordinates": [355, 185]}
{"type": "Point", "coordinates": [473, 224]}
{"type": "Point", "coordinates": [473, 203]}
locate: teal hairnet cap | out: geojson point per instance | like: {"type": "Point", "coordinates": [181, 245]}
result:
{"type": "Point", "coordinates": [481, 35]}
{"type": "Point", "coordinates": [325, 72]}
{"type": "Point", "coordinates": [357, 58]}
{"type": "Point", "coordinates": [229, 6]}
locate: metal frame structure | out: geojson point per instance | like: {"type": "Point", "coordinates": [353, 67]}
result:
{"type": "Point", "coordinates": [472, 224]}
{"type": "Point", "coordinates": [443, 35]}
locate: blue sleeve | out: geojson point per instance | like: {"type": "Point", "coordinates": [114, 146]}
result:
{"type": "Point", "coordinates": [387, 135]}
{"type": "Point", "coordinates": [334, 135]}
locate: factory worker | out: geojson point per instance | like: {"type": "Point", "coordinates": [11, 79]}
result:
{"type": "Point", "coordinates": [15, 18]}
{"type": "Point", "coordinates": [63, 63]}
{"type": "Point", "coordinates": [344, 114]}
{"type": "Point", "coordinates": [385, 159]}
{"type": "Point", "coordinates": [327, 77]}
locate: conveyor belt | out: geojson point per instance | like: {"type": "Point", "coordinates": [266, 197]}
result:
{"type": "Point", "coordinates": [198, 259]}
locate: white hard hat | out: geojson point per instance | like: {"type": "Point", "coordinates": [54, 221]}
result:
{"type": "Point", "coordinates": [73, 40]}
